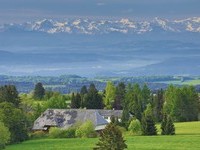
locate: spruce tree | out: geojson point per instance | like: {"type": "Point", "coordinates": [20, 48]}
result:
{"type": "Point", "coordinates": [76, 100]}
{"type": "Point", "coordinates": [83, 94]}
{"type": "Point", "coordinates": [148, 126]}
{"type": "Point", "coordinates": [170, 126]}
{"type": "Point", "coordinates": [167, 125]}
{"type": "Point", "coordinates": [93, 99]}
{"type": "Point", "coordinates": [73, 105]}
{"type": "Point", "coordinates": [83, 90]}
{"type": "Point", "coordinates": [133, 96]}
{"type": "Point", "coordinates": [39, 91]}
{"type": "Point", "coordinates": [111, 139]}
{"type": "Point", "coordinates": [125, 117]}
{"type": "Point", "coordinates": [145, 97]}
{"type": "Point", "coordinates": [158, 101]}
{"type": "Point", "coordinates": [119, 96]}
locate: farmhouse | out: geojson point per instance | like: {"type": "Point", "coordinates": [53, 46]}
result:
{"type": "Point", "coordinates": [65, 118]}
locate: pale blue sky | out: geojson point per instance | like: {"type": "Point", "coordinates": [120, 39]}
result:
{"type": "Point", "coordinates": [27, 10]}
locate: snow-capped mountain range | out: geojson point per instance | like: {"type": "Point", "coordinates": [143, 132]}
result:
{"type": "Point", "coordinates": [102, 47]}
{"type": "Point", "coordinates": [103, 26]}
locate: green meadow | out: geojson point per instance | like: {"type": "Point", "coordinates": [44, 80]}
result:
{"type": "Point", "coordinates": [187, 138]}
{"type": "Point", "coordinates": [179, 82]}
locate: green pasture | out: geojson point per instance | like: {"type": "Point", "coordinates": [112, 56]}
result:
{"type": "Point", "coordinates": [179, 82]}
{"type": "Point", "coordinates": [187, 138]}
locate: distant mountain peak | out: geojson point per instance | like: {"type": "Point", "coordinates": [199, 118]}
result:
{"type": "Point", "coordinates": [103, 26]}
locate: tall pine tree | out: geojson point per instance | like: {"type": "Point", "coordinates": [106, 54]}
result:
{"type": "Point", "coordinates": [93, 99]}
{"type": "Point", "coordinates": [119, 96]}
{"type": "Point", "coordinates": [76, 100]}
{"type": "Point", "coordinates": [135, 104]}
{"type": "Point", "coordinates": [158, 101]}
{"type": "Point", "coordinates": [125, 117]}
{"type": "Point", "coordinates": [39, 91]}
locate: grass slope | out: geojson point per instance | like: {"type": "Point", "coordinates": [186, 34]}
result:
{"type": "Point", "coordinates": [187, 137]}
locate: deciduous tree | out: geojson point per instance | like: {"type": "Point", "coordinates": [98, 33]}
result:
{"type": "Point", "coordinates": [15, 120]}
{"type": "Point", "coordinates": [135, 127]}
{"type": "Point", "coordinates": [182, 103]}
{"type": "Point", "coordinates": [8, 93]}
{"type": "Point", "coordinates": [109, 95]}
{"type": "Point", "coordinates": [4, 135]}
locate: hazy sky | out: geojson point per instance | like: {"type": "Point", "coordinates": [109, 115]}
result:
{"type": "Point", "coordinates": [27, 10]}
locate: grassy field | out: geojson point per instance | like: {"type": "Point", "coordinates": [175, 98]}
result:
{"type": "Point", "coordinates": [186, 82]}
{"type": "Point", "coordinates": [187, 138]}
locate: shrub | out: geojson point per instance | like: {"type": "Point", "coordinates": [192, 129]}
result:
{"type": "Point", "coordinates": [60, 133]}
{"type": "Point", "coordinates": [135, 127]}
{"type": "Point", "coordinates": [4, 135]}
{"type": "Point", "coordinates": [70, 133]}
{"type": "Point", "coordinates": [55, 132]}
{"type": "Point", "coordinates": [86, 130]}
{"type": "Point", "coordinates": [38, 134]}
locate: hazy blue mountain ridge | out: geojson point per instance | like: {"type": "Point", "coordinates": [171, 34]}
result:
{"type": "Point", "coordinates": [101, 47]}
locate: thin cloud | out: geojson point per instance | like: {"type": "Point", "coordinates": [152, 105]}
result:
{"type": "Point", "coordinates": [101, 4]}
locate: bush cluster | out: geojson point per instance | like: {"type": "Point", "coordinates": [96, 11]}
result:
{"type": "Point", "coordinates": [86, 130]}
{"type": "Point", "coordinates": [61, 133]}
{"type": "Point", "coordinates": [135, 127]}
{"type": "Point", "coordinates": [38, 135]}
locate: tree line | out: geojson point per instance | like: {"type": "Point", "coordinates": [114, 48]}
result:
{"type": "Point", "coordinates": [166, 106]}
{"type": "Point", "coordinates": [181, 103]}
